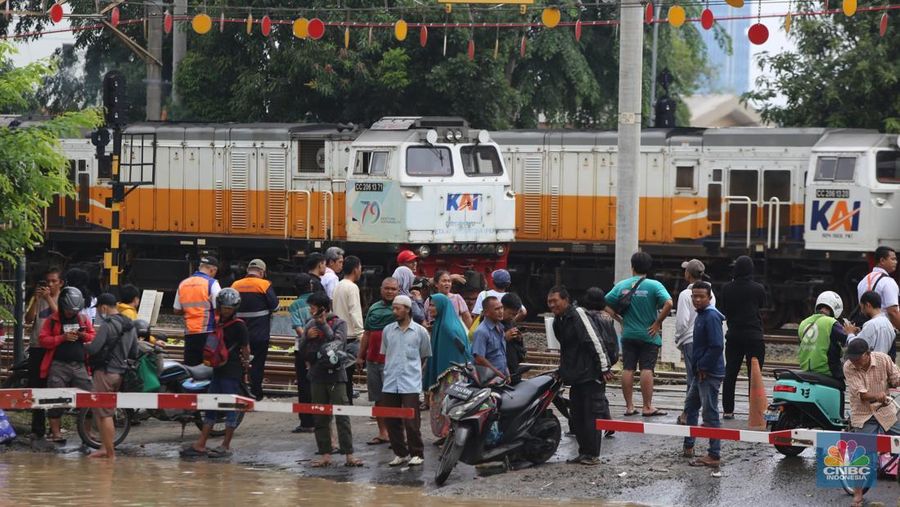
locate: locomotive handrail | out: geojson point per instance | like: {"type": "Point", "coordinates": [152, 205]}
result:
{"type": "Point", "coordinates": [775, 203]}
{"type": "Point", "coordinates": [726, 203]}
{"type": "Point", "coordinates": [328, 217]}
{"type": "Point", "coordinates": [288, 210]}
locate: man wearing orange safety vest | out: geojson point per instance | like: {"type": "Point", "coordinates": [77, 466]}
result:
{"type": "Point", "coordinates": [196, 300]}
{"type": "Point", "coordinates": [258, 301]}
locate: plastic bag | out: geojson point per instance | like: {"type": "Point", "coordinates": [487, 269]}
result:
{"type": "Point", "coordinates": [7, 433]}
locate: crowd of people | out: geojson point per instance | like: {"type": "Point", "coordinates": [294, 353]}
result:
{"type": "Point", "coordinates": [406, 340]}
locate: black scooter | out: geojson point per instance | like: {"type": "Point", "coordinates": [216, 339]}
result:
{"type": "Point", "coordinates": [491, 420]}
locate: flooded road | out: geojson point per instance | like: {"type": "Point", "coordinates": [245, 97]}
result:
{"type": "Point", "coordinates": [57, 480]}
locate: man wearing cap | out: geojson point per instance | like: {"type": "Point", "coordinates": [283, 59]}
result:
{"type": "Point", "coordinates": [406, 346]}
{"type": "Point", "coordinates": [258, 301]}
{"type": "Point", "coordinates": [685, 315]}
{"type": "Point", "coordinates": [869, 376]}
{"type": "Point", "coordinates": [409, 259]}
{"type": "Point", "coordinates": [334, 264]}
{"type": "Point", "coordinates": [502, 280]}
{"type": "Point", "coordinates": [196, 300]}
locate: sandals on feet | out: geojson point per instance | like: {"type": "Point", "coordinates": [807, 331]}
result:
{"type": "Point", "coordinates": [630, 413]}
{"type": "Point", "coordinates": [657, 412]}
{"type": "Point", "coordinates": [352, 463]}
{"type": "Point", "coordinates": [190, 452]}
{"type": "Point", "coordinates": [320, 463]}
{"type": "Point", "coordinates": [219, 452]}
{"type": "Point", "coordinates": [377, 441]}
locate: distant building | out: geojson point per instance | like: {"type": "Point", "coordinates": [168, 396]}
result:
{"type": "Point", "coordinates": [731, 72]}
{"type": "Point", "coordinates": [723, 110]}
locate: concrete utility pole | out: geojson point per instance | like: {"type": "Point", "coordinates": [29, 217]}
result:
{"type": "Point", "coordinates": [653, 55]}
{"type": "Point", "coordinates": [179, 43]}
{"type": "Point", "coordinates": [154, 71]}
{"type": "Point", "coordinates": [631, 42]}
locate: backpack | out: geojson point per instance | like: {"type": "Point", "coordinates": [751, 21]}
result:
{"type": "Point", "coordinates": [608, 337]}
{"type": "Point", "coordinates": [100, 359]}
{"type": "Point", "coordinates": [600, 348]}
{"type": "Point", "coordinates": [215, 353]}
{"type": "Point", "coordinates": [857, 317]}
{"type": "Point", "coordinates": [625, 300]}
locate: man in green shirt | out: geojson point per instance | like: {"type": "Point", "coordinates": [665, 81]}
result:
{"type": "Point", "coordinates": [822, 338]}
{"type": "Point", "coordinates": [640, 305]}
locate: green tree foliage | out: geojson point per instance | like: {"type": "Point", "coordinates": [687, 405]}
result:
{"type": "Point", "coordinates": [33, 169]}
{"type": "Point", "coordinates": [842, 74]}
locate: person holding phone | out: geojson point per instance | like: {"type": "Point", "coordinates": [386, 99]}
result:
{"type": "Point", "coordinates": [43, 305]}
{"type": "Point", "coordinates": [64, 336]}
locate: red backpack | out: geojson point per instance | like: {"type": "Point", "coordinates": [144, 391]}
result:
{"type": "Point", "coordinates": [215, 353]}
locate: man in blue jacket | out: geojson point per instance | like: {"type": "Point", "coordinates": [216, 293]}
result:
{"type": "Point", "coordinates": [709, 370]}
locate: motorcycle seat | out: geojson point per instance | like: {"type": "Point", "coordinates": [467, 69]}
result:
{"type": "Point", "coordinates": [818, 379]}
{"type": "Point", "coordinates": [198, 372]}
{"type": "Point", "coordinates": [524, 393]}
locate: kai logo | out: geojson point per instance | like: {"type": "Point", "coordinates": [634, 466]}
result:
{"type": "Point", "coordinates": [371, 212]}
{"type": "Point", "coordinates": [835, 215]}
{"type": "Point", "coordinates": [463, 202]}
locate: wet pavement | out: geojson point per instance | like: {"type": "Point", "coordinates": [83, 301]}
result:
{"type": "Point", "coordinates": [643, 469]}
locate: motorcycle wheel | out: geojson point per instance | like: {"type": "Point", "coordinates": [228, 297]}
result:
{"type": "Point", "coordinates": [90, 435]}
{"type": "Point", "coordinates": [549, 432]}
{"type": "Point", "coordinates": [218, 429]}
{"type": "Point", "coordinates": [789, 420]}
{"type": "Point", "coordinates": [450, 453]}
{"type": "Point", "coordinates": [16, 381]}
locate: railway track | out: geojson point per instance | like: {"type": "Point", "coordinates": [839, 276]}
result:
{"type": "Point", "coordinates": [280, 377]}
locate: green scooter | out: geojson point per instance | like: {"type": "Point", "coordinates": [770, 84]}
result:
{"type": "Point", "coordinates": [803, 399]}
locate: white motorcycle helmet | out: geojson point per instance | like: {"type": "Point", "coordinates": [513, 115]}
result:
{"type": "Point", "coordinates": [831, 300]}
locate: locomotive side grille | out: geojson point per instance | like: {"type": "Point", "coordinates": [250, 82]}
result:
{"type": "Point", "coordinates": [532, 195]}
{"type": "Point", "coordinates": [220, 202]}
{"type": "Point", "coordinates": [277, 189]}
{"type": "Point", "coordinates": [240, 189]}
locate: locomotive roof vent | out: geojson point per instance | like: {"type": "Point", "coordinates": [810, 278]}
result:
{"type": "Point", "coordinates": [419, 122]}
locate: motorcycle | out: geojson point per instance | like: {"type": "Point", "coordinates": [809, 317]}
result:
{"type": "Point", "coordinates": [491, 420]}
{"type": "Point", "coordinates": [804, 399]}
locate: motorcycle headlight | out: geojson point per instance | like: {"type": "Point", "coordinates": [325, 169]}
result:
{"type": "Point", "coordinates": [461, 410]}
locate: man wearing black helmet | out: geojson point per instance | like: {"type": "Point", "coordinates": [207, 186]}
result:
{"type": "Point", "coordinates": [64, 336]}
{"type": "Point", "coordinates": [227, 377]}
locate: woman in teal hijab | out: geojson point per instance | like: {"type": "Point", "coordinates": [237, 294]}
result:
{"type": "Point", "coordinates": [446, 329]}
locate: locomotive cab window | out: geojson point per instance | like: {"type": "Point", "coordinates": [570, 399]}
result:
{"type": "Point", "coordinates": [428, 161]}
{"type": "Point", "coordinates": [887, 167]}
{"type": "Point", "coordinates": [372, 163]}
{"type": "Point", "coordinates": [836, 169]}
{"type": "Point", "coordinates": [684, 177]}
{"type": "Point", "coordinates": [481, 161]}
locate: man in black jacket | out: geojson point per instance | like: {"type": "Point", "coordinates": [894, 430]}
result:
{"type": "Point", "coordinates": [583, 366]}
{"type": "Point", "coordinates": [740, 301]}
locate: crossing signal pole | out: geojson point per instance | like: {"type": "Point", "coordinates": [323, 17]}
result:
{"type": "Point", "coordinates": [115, 106]}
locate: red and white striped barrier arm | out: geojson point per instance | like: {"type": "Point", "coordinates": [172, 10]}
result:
{"type": "Point", "coordinates": [25, 399]}
{"type": "Point", "coordinates": [798, 437]}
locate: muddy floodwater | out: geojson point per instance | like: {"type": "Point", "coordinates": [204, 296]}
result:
{"type": "Point", "coordinates": [38, 480]}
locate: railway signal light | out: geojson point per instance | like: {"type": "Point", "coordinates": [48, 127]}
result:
{"type": "Point", "coordinates": [114, 100]}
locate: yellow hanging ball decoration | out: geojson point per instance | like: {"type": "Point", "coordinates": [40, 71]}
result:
{"type": "Point", "coordinates": [201, 23]}
{"type": "Point", "coordinates": [737, 4]}
{"type": "Point", "coordinates": [676, 15]}
{"type": "Point", "coordinates": [400, 30]}
{"type": "Point", "coordinates": [550, 17]}
{"type": "Point", "coordinates": [301, 28]}
{"type": "Point", "coordinates": [347, 38]}
{"type": "Point", "coordinates": [787, 23]}
{"type": "Point", "coordinates": [249, 23]}
{"type": "Point", "coordinates": [849, 7]}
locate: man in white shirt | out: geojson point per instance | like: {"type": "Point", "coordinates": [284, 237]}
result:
{"type": "Point", "coordinates": [334, 263]}
{"type": "Point", "coordinates": [881, 281]}
{"type": "Point", "coordinates": [347, 305]}
{"type": "Point", "coordinates": [686, 315]}
{"type": "Point", "coordinates": [502, 280]}
{"type": "Point", "coordinates": [877, 331]}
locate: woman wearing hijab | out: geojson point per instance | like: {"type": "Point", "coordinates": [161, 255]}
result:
{"type": "Point", "coordinates": [405, 278]}
{"type": "Point", "coordinates": [446, 330]}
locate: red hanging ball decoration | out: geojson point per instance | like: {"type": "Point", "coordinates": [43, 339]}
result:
{"type": "Point", "coordinates": [167, 22]}
{"type": "Point", "coordinates": [265, 25]}
{"type": "Point", "coordinates": [56, 13]}
{"type": "Point", "coordinates": [471, 50]}
{"type": "Point", "coordinates": [114, 17]}
{"type": "Point", "coordinates": [758, 34]}
{"type": "Point", "coordinates": [882, 26]}
{"type": "Point", "coordinates": [578, 31]}
{"type": "Point", "coordinates": [648, 13]}
{"type": "Point", "coordinates": [423, 36]}
{"type": "Point", "coordinates": [707, 19]}
{"type": "Point", "coordinates": [316, 29]}
{"type": "Point", "coordinates": [522, 47]}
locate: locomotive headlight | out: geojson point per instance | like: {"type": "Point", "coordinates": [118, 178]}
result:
{"type": "Point", "coordinates": [449, 136]}
{"type": "Point", "coordinates": [423, 251]}
{"type": "Point", "coordinates": [500, 250]}
{"type": "Point", "coordinates": [484, 137]}
{"type": "Point", "coordinates": [458, 135]}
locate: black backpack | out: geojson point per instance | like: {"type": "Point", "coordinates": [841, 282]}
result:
{"type": "Point", "coordinates": [857, 317]}
{"type": "Point", "coordinates": [100, 359]}
{"type": "Point", "coordinates": [608, 337]}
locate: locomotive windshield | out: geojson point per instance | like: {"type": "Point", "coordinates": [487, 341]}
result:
{"type": "Point", "coordinates": [887, 166]}
{"type": "Point", "coordinates": [835, 169]}
{"type": "Point", "coordinates": [481, 161]}
{"type": "Point", "coordinates": [428, 161]}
